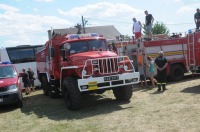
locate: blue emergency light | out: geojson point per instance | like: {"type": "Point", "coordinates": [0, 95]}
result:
{"type": "Point", "coordinates": [94, 34]}
{"type": "Point", "coordinates": [74, 36]}
{"type": "Point", "coordinates": [77, 36]}
{"type": "Point", "coordinates": [5, 62]}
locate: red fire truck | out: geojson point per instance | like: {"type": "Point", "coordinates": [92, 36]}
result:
{"type": "Point", "coordinates": [74, 64]}
{"type": "Point", "coordinates": [183, 53]}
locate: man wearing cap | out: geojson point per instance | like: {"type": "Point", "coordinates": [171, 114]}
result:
{"type": "Point", "coordinates": [161, 65]}
{"type": "Point", "coordinates": [197, 18]}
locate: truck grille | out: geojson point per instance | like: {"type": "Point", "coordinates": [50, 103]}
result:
{"type": "Point", "coordinates": [108, 66]}
{"type": "Point", "coordinates": [3, 89]}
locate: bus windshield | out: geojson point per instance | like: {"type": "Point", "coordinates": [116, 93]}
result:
{"type": "Point", "coordinates": [21, 55]}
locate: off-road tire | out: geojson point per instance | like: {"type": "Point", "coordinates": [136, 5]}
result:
{"type": "Point", "coordinates": [20, 102]}
{"type": "Point", "coordinates": [72, 95]}
{"type": "Point", "coordinates": [44, 84]}
{"type": "Point", "coordinates": [123, 93]}
{"type": "Point", "coordinates": [45, 89]}
{"type": "Point", "coordinates": [53, 95]}
{"type": "Point", "coordinates": [176, 73]}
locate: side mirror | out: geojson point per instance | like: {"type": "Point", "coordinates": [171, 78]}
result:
{"type": "Point", "coordinates": [52, 52]}
{"type": "Point", "coordinates": [20, 74]}
{"type": "Point", "coordinates": [63, 54]}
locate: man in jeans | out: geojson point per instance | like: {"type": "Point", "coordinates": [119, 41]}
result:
{"type": "Point", "coordinates": [149, 22]}
{"type": "Point", "coordinates": [197, 18]}
{"type": "Point", "coordinates": [31, 78]}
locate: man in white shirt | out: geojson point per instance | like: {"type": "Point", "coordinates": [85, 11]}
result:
{"type": "Point", "coordinates": [137, 28]}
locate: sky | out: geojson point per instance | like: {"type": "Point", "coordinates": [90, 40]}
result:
{"type": "Point", "coordinates": [26, 22]}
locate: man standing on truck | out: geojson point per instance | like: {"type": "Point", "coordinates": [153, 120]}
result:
{"type": "Point", "coordinates": [161, 65]}
{"type": "Point", "coordinates": [197, 18]}
{"type": "Point", "coordinates": [149, 23]}
{"type": "Point", "coordinates": [137, 28]}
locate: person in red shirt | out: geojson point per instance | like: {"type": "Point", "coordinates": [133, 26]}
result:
{"type": "Point", "coordinates": [137, 28]}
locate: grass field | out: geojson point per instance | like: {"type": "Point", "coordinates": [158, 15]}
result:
{"type": "Point", "coordinates": [177, 109]}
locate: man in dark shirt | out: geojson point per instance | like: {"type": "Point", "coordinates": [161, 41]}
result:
{"type": "Point", "coordinates": [197, 18]}
{"type": "Point", "coordinates": [26, 82]}
{"type": "Point", "coordinates": [31, 78]}
{"type": "Point", "coordinates": [161, 65]}
{"type": "Point", "coordinates": [148, 22]}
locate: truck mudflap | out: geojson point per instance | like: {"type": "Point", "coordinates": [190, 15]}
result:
{"type": "Point", "coordinates": [105, 82]}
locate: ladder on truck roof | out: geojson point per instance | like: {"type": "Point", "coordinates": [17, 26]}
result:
{"type": "Point", "coordinates": [191, 50]}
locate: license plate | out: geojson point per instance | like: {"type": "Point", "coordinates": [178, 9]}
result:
{"type": "Point", "coordinates": [111, 78]}
{"type": "Point", "coordinates": [1, 100]}
{"type": "Point", "coordinates": [92, 86]}
{"type": "Point", "coordinates": [92, 83]}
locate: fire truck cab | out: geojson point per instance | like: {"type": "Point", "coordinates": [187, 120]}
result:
{"type": "Point", "coordinates": [74, 64]}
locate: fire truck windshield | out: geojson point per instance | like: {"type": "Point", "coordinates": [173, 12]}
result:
{"type": "Point", "coordinates": [85, 46]}
{"type": "Point", "coordinates": [98, 45]}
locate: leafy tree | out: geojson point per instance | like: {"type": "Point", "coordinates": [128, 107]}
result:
{"type": "Point", "coordinates": [79, 27]}
{"type": "Point", "coordinates": [158, 28]}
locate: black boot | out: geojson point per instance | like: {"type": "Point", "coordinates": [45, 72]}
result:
{"type": "Point", "coordinates": [159, 88]}
{"type": "Point", "coordinates": [163, 87]}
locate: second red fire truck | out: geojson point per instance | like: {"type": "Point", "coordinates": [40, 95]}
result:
{"type": "Point", "coordinates": [182, 53]}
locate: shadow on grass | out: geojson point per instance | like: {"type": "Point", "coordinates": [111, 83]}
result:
{"type": "Point", "coordinates": [194, 90]}
{"type": "Point", "coordinates": [8, 108]}
{"type": "Point", "coordinates": [136, 87]}
{"type": "Point", "coordinates": [186, 78]}
{"type": "Point", "coordinates": [55, 109]}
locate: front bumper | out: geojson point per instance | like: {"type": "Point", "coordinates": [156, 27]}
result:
{"type": "Point", "coordinates": [106, 82]}
{"type": "Point", "coordinates": [10, 97]}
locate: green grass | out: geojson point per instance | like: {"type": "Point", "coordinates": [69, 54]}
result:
{"type": "Point", "coordinates": [177, 109]}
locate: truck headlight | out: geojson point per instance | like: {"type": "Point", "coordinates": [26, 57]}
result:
{"type": "Point", "coordinates": [125, 67]}
{"type": "Point", "coordinates": [12, 87]}
{"type": "Point", "coordinates": [84, 72]}
{"type": "Point", "coordinates": [94, 61]}
{"type": "Point", "coordinates": [120, 59]}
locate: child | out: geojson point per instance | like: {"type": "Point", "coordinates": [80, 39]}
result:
{"type": "Point", "coordinates": [142, 75]}
{"type": "Point", "coordinates": [150, 67]}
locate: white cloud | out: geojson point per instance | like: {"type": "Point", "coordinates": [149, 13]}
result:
{"type": "Point", "coordinates": [103, 10]}
{"type": "Point", "coordinates": [27, 26]}
{"type": "Point", "coordinates": [44, 0]}
{"type": "Point", "coordinates": [177, 1]}
{"type": "Point", "coordinates": [25, 39]}
{"type": "Point", "coordinates": [8, 8]}
{"type": "Point", "coordinates": [188, 8]}
{"type": "Point", "coordinates": [18, 23]}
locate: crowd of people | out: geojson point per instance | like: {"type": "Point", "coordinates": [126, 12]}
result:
{"type": "Point", "coordinates": [160, 63]}
{"type": "Point", "coordinates": [149, 19]}
{"type": "Point", "coordinates": [28, 80]}
{"type": "Point", "coordinates": [149, 69]}
{"type": "Point", "coordinates": [137, 26]}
